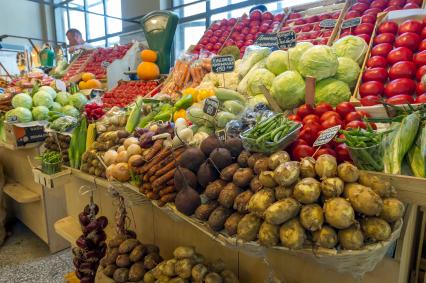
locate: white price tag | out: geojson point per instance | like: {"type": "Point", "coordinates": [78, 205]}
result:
{"type": "Point", "coordinates": [326, 136]}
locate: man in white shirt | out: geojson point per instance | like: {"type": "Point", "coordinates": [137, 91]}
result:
{"type": "Point", "coordinates": [76, 40]}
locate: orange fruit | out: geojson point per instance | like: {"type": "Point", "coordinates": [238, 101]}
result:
{"type": "Point", "coordinates": [93, 83]}
{"type": "Point", "coordinates": [87, 76]}
{"type": "Point", "coordinates": [82, 85]}
{"type": "Point", "coordinates": [148, 71]}
{"type": "Point", "coordinates": [149, 56]}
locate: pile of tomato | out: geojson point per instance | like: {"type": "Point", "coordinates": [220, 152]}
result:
{"type": "Point", "coordinates": [127, 91]}
{"type": "Point", "coordinates": [319, 118]}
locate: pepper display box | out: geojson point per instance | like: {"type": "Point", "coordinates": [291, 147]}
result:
{"type": "Point", "coordinates": [24, 134]}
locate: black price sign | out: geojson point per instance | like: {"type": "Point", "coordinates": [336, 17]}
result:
{"type": "Point", "coordinates": [211, 106]}
{"type": "Point", "coordinates": [267, 40]}
{"type": "Point", "coordinates": [286, 39]}
{"type": "Point", "coordinates": [351, 23]}
{"type": "Point", "coordinates": [223, 64]}
{"type": "Point", "coordinates": [328, 23]}
{"type": "Point", "coordinates": [221, 135]}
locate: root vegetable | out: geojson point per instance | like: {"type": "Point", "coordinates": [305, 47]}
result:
{"type": "Point", "coordinates": [220, 157]}
{"type": "Point", "coordinates": [122, 157]}
{"type": "Point", "coordinates": [183, 268]}
{"type": "Point", "coordinates": [260, 201]}
{"type": "Point", "coordinates": [242, 200]}
{"type": "Point", "coordinates": [121, 172]}
{"type": "Point", "coordinates": [135, 161]}
{"type": "Point", "coordinates": [326, 237]}
{"type": "Point", "coordinates": [217, 266]}
{"type": "Point", "coordinates": [206, 174]}
{"type": "Point", "coordinates": [192, 158]}
{"type": "Point", "coordinates": [351, 238]}
{"type": "Point", "coordinates": [127, 246]}
{"type": "Point", "coordinates": [307, 167]}
{"type": "Point", "coordinates": [155, 150]}
{"type": "Point", "coordinates": [228, 172]}
{"type": "Point", "coordinates": [183, 175]}
{"type": "Point", "coordinates": [242, 177]}
{"type": "Point", "coordinates": [292, 234]}
{"type": "Point", "coordinates": [136, 272]}
{"type": "Point", "coordinates": [260, 165]}
{"type": "Point", "coordinates": [130, 141]}
{"type": "Point", "coordinates": [326, 166]}
{"type": "Point", "coordinates": [268, 234]}
{"type": "Point", "coordinates": [231, 223]}
{"type": "Point", "coordinates": [253, 158]}
{"type": "Point", "coordinates": [138, 253]}
{"type": "Point", "coordinates": [393, 210]}
{"type": "Point", "coordinates": [248, 227]}
{"type": "Point", "coordinates": [182, 252]}
{"type": "Point", "coordinates": [281, 211]}
{"type": "Point", "coordinates": [266, 178]}
{"type": "Point", "coordinates": [109, 270]}
{"type": "Point", "coordinates": [278, 158]}
{"type": "Point", "coordinates": [287, 173]}
{"type": "Point", "coordinates": [187, 200]}
{"type": "Point", "coordinates": [110, 156]}
{"type": "Point", "coordinates": [116, 241]}
{"type": "Point", "coordinates": [348, 172]}
{"type": "Point", "coordinates": [376, 229]}
{"type": "Point", "coordinates": [255, 184]}
{"type": "Point", "coordinates": [134, 149]}
{"type": "Point", "coordinates": [363, 199]}
{"type": "Point", "coordinates": [111, 256]}
{"type": "Point", "coordinates": [311, 217]}
{"type": "Point", "coordinates": [339, 213]}
{"type": "Point", "coordinates": [229, 276]}
{"type": "Point", "coordinates": [151, 260]}
{"type": "Point", "coordinates": [228, 195]}
{"type": "Point", "coordinates": [307, 190]}
{"type": "Point", "coordinates": [332, 187]}
{"type": "Point", "coordinates": [283, 192]}
{"type": "Point", "coordinates": [203, 211]}
{"type": "Point", "coordinates": [199, 272]}
{"type": "Point", "coordinates": [234, 145]}
{"type": "Point", "coordinates": [218, 217]}
{"type": "Point", "coordinates": [209, 144]}
{"type": "Point", "coordinates": [243, 158]}
{"type": "Point", "coordinates": [158, 182]}
{"type": "Point", "coordinates": [212, 277]}
{"type": "Point", "coordinates": [121, 275]}
{"type": "Point", "coordinates": [213, 189]}
{"type": "Point", "coordinates": [379, 186]}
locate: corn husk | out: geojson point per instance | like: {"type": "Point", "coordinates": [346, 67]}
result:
{"type": "Point", "coordinates": [417, 154]}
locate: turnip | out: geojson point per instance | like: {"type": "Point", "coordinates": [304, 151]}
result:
{"type": "Point", "coordinates": [311, 217]}
{"type": "Point", "coordinates": [348, 172]}
{"type": "Point", "coordinates": [307, 190]}
{"type": "Point", "coordinates": [351, 238]}
{"type": "Point", "coordinates": [326, 166]}
{"type": "Point", "coordinates": [292, 234]}
{"type": "Point", "coordinates": [332, 187]}
{"type": "Point", "coordinates": [393, 210]}
{"type": "Point", "coordinates": [376, 229]}
{"type": "Point", "coordinates": [339, 213]}
{"type": "Point", "coordinates": [325, 237]}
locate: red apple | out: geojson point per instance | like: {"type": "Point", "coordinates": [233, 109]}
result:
{"type": "Point", "coordinates": [399, 3]}
{"type": "Point", "coordinates": [399, 54]}
{"type": "Point", "coordinates": [352, 14]}
{"type": "Point", "coordinates": [377, 61]}
{"type": "Point", "coordinates": [361, 7]}
{"type": "Point", "coordinates": [312, 19]}
{"type": "Point", "coordinates": [422, 45]}
{"type": "Point", "coordinates": [380, 4]}
{"type": "Point", "coordinates": [381, 49]}
{"type": "Point", "coordinates": [365, 28]}
{"type": "Point", "coordinates": [324, 16]}
{"type": "Point", "coordinates": [410, 26]}
{"type": "Point", "coordinates": [267, 16]}
{"type": "Point", "coordinates": [256, 15]}
{"type": "Point", "coordinates": [420, 58]}
{"type": "Point", "coordinates": [294, 16]}
{"type": "Point", "coordinates": [371, 19]}
{"type": "Point", "coordinates": [408, 39]}
{"type": "Point", "coordinates": [366, 37]}
{"type": "Point", "coordinates": [299, 22]}
{"type": "Point", "coordinates": [388, 27]}
{"type": "Point", "coordinates": [386, 37]}
{"type": "Point", "coordinates": [402, 69]}
{"type": "Point", "coordinates": [391, 8]}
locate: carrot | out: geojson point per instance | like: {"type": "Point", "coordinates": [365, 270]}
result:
{"type": "Point", "coordinates": [171, 182]}
{"type": "Point", "coordinates": [163, 179]}
{"type": "Point", "coordinates": [167, 190]}
{"type": "Point", "coordinates": [156, 147]}
{"type": "Point", "coordinates": [154, 169]}
{"type": "Point", "coordinates": [152, 195]}
{"type": "Point", "coordinates": [145, 178]}
{"type": "Point", "coordinates": [158, 189]}
{"type": "Point", "coordinates": [152, 178]}
{"type": "Point", "coordinates": [161, 155]}
{"type": "Point", "coordinates": [168, 198]}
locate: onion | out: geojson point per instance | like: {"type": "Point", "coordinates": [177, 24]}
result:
{"type": "Point", "coordinates": [121, 148]}
{"type": "Point", "coordinates": [135, 161]}
{"type": "Point", "coordinates": [110, 156]}
{"type": "Point", "coordinates": [134, 149]}
{"type": "Point", "coordinates": [185, 134]}
{"type": "Point", "coordinates": [121, 172]}
{"type": "Point", "coordinates": [108, 172]}
{"type": "Point", "coordinates": [123, 156]}
{"type": "Point", "coordinates": [129, 141]}
{"type": "Point", "coordinates": [326, 166]}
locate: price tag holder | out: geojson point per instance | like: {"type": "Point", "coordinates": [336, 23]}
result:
{"type": "Point", "coordinates": [105, 64]}
{"type": "Point", "coordinates": [286, 39]}
{"type": "Point", "coordinates": [223, 64]}
{"type": "Point", "coordinates": [221, 135]}
{"type": "Point", "coordinates": [60, 85]}
{"type": "Point", "coordinates": [12, 119]}
{"type": "Point", "coordinates": [328, 23]}
{"type": "Point", "coordinates": [351, 23]}
{"type": "Point", "coordinates": [267, 40]}
{"type": "Point", "coordinates": [326, 136]}
{"type": "Point", "coordinates": [211, 106]}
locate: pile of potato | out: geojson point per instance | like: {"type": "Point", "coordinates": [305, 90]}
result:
{"type": "Point", "coordinates": [60, 145]}
{"type": "Point", "coordinates": [281, 202]}
{"type": "Point", "coordinates": [128, 260]}
{"type": "Point", "coordinates": [189, 266]}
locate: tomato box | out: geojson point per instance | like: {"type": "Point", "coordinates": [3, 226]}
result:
{"type": "Point", "coordinates": [24, 134]}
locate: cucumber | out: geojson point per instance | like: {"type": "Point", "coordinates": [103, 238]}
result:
{"type": "Point", "coordinates": [234, 107]}
{"type": "Point", "coordinates": [224, 94]}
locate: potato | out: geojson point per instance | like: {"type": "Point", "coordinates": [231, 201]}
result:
{"type": "Point", "coordinates": [260, 201]}
{"type": "Point", "coordinates": [149, 277]}
{"type": "Point", "coordinates": [229, 277]}
{"type": "Point", "coordinates": [231, 223]}
{"type": "Point", "coordinates": [266, 178]}
{"type": "Point", "coordinates": [332, 187]}
{"type": "Point", "coordinates": [198, 258]}
{"type": "Point", "coordinates": [151, 260]}
{"type": "Point", "coordinates": [292, 234]}
{"type": "Point", "coordinates": [307, 167]}
{"type": "Point", "coordinates": [253, 158]}
{"type": "Point", "coordinates": [213, 277]}
{"type": "Point", "coordinates": [287, 173]}
{"type": "Point", "coordinates": [242, 200]}
{"type": "Point", "coordinates": [376, 229]}
{"type": "Point", "coordinates": [261, 165]}
{"type": "Point", "coordinates": [277, 158]}
{"type": "Point", "coordinates": [198, 272]}
{"type": "Point", "coordinates": [121, 275]}
{"type": "Point", "coordinates": [351, 238]}
{"type": "Point", "coordinates": [348, 172]}
{"type": "Point", "coordinates": [282, 192]}
{"type": "Point", "coordinates": [364, 200]}
{"type": "Point", "coordinates": [217, 266]}
{"type": "Point", "coordinates": [307, 190]}
{"type": "Point", "coordinates": [152, 249]}
{"type": "Point", "coordinates": [109, 270]}
{"type": "Point", "coordinates": [243, 158]}
{"type": "Point", "coordinates": [177, 280]}
{"type": "Point", "coordinates": [281, 211]}
{"type": "Point", "coordinates": [228, 195]}
{"type": "Point", "coordinates": [268, 234]}
{"type": "Point", "coordinates": [325, 237]}
{"type": "Point", "coordinates": [228, 172]}
{"type": "Point", "coordinates": [136, 272]}
{"type": "Point", "coordinates": [393, 210]}
{"type": "Point", "coordinates": [127, 246]}
{"type": "Point", "coordinates": [339, 213]}
{"type": "Point", "coordinates": [311, 217]}
{"type": "Point", "coordinates": [326, 166]}
{"type": "Point", "coordinates": [203, 211]}
{"type": "Point", "coordinates": [168, 268]}
{"type": "Point", "coordinates": [218, 217]}
{"type": "Point", "coordinates": [242, 177]}
{"type": "Point", "coordinates": [182, 252]}
{"type": "Point", "coordinates": [111, 256]}
{"type": "Point", "coordinates": [213, 189]}
{"type": "Point", "coordinates": [138, 253]}
{"type": "Point", "coordinates": [123, 260]}
{"type": "Point", "coordinates": [248, 227]}
{"type": "Point", "coordinates": [116, 241]}
{"type": "Point", "coordinates": [255, 184]}
{"type": "Point", "coordinates": [378, 185]}
{"type": "Point", "coordinates": [183, 268]}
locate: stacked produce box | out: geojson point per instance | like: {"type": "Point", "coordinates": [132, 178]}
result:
{"type": "Point", "coordinates": [78, 64]}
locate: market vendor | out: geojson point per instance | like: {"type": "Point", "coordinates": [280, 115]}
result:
{"type": "Point", "coordinates": [76, 40]}
{"type": "Point", "coordinates": [262, 8]}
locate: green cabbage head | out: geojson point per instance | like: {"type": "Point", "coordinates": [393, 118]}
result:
{"type": "Point", "coordinates": [296, 52]}
{"type": "Point", "coordinates": [70, 111]}
{"type": "Point", "coordinates": [332, 91]}
{"type": "Point", "coordinates": [288, 89]}
{"type": "Point", "coordinates": [351, 46]}
{"type": "Point", "coordinates": [62, 98]}
{"type": "Point", "coordinates": [50, 90]}
{"type": "Point", "coordinates": [40, 113]}
{"type": "Point", "coordinates": [277, 62]}
{"type": "Point", "coordinates": [259, 77]}
{"type": "Point", "coordinates": [20, 115]}
{"type": "Point", "coordinates": [319, 62]}
{"type": "Point", "coordinates": [348, 71]}
{"type": "Point", "coordinates": [56, 107]}
{"type": "Point", "coordinates": [22, 100]}
{"type": "Point", "coordinates": [42, 98]}
{"type": "Point", "coordinates": [78, 100]}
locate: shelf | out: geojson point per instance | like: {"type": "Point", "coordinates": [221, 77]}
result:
{"type": "Point", "coordinates": [90, 178]}
{"type": "Point", "coordinates": [20, 193]}
{"type": "Point", "coordinates": [47, 180]}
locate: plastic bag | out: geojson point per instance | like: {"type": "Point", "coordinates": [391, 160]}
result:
{"type": "Point", "coordinates": [114, 119]}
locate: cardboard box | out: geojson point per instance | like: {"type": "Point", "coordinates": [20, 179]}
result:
{"type": "Point", "coordinates": [23, 134]}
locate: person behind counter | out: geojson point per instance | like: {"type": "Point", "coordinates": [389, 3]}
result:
{"type": "Point", "coordinates": [76, 40]}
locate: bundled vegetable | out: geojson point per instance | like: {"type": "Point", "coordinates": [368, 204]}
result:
{"type": "Point", "coordinates": [417, 153]}
{"type": "Point", "coordinates": [78, 143]}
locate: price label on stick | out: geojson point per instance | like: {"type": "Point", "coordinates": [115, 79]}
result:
{"type": "Point", "coordinates": [326, 136]}
{"type": "Point", "coordinates": [211, 106]}
{"type": "Point", "coordinates": [351, 23]}
{"type": "Point", "coordinates": [328, 23]}
{"type": "Point", "coordinates": [223, 64]}
{"type": "Point", "coordinates": [221, 135]}
{"type": "Point", "coordinates": [286, 39]}
{"type": "Point", "coordinates": [267, 40]}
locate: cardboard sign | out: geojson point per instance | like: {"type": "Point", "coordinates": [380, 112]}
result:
{"type": "Point", "coordinates": [286, 39]}
{"type": "Point", "coordinates": [267, 40]}
{"type": "Point", "coordinates": [351, 23]}
{"type": "Point", "coordinates": [221, 135]}
{"type": "Point", "coordinates": [211, 106]}
{"type": "Point", "coordinates": [326, 136]}
{"type": "Point", "coordinates": [223, 64]}
{"type": "Point", "coordinates": [328, 23]}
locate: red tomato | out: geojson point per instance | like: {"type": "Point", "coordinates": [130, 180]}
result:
{"type": "Point", "coordinates": [314, 126]}
{"type": "Point", "coordinates": [410, 26]}
{"type": "Point", "coordinates": [344, 108]}
{"type": "Point", "coordinates": [386, 37]}
{"type": "Point", "coordinates": [308, 135]}
{"type": "Point", "coordinates": [410, 40]}
{"type": "Point", "coordinates": [296, 143]}
{"type": "Point", "coordinates": [368, 19]}
{"type": "Point", "coordinates": [371, 88]}
{"type": "Point", "coordinates": [311, 118]}
{"type": "Point", "coordinates": [422, 45]}
{"type": "Point", "coordinates": [331, 122]}
{"type": "Point", "coordinates": [375, 74]}
{"type": "Point", "coordinates": [390, 27]}
{"type": "Point", "coordinates": [420, 72]}
{"type": "Point", "coordinates": [364, 114]}
{"type": "Point", "coordinates": [421, 88]}
{"type": "Point", "coordinates": [420, 58]}
{"type": "Point", "coordinates": [423, 33]}
{"type": "Point", "coordinates": [355, 124]}
{"type": "Point", "coordinates": [304, 110]}
{"type": "Point", "coordinates": [342, 153]}
{"type": "Point", "coordinates": [370, 100]}
{"type": "Point", "coordinates": [421, 98]}
{"type": "Point", "coordinates": [400, 86]}
{"type": "Point", "coordinates": [381, 49]}
{"type": "Point", "coordinates": [353, 116]}
{"type": "Point", "coordinates": [400, 99]}
{"type": "Point", "coordinates": [402, 69]}
{"type": "Point", "coordinates": [399, 54]}
{"type": "Point", "coordinates": [329, 114]}
{"type": "Point", "coordinates": [377, 61]}
{"type": "Point", "coordinates": [323, 107]}
{"type": "Point", "coordinates": [301, 151]}
{"type": "Point", "coordinates": [322, 151]}
{"type": "Point", "coordinates": [364, 28]}
{"type": "Point", "coordinates": [294, 117]}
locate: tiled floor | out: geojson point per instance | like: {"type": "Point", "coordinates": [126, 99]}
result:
{"type": "Point", "coordinates": [26, 258]}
